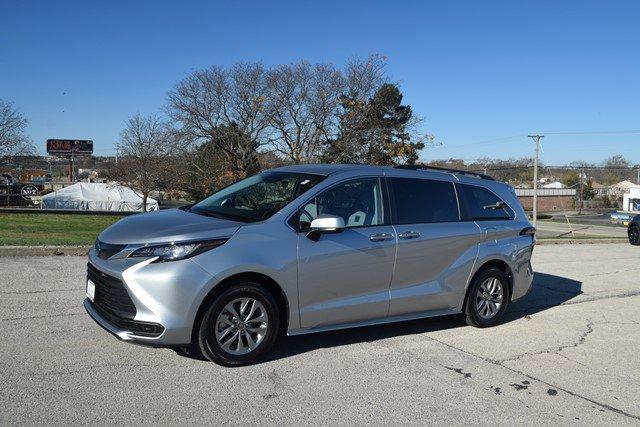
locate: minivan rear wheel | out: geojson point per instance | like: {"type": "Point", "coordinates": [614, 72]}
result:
{"type": "Point", "coordinates": [239, 326]}
{"type": "Point", "coordinates": [487, 298]}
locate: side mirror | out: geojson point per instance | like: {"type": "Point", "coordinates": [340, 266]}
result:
{"type": "Point", "coordinates": [325, 224]}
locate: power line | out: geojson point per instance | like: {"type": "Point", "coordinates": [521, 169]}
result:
{"type": "Point", "coordinates": [602, 132]}
{"type": "Point", "coordinates": [483, 142]}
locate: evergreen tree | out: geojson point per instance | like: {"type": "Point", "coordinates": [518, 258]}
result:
{"type": "Point", "coordinates": [374, 131]}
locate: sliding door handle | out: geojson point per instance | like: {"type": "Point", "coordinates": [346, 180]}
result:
{"type": "Point", "coordinates": [380, 237]}
{"type": "Point", "coordinates": [409, 235]}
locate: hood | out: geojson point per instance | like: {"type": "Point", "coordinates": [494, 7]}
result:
{"type": "Point", "coordinates": [171, 225]}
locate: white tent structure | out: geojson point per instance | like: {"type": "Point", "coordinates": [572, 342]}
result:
{"type": "Point", "coordinates": [554, 184]}
{"type": "Point", "coordinates": [90, 196]}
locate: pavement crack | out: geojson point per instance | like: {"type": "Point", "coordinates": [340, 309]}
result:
{"type": "Point", "coordinates": [626, 270]}
{"type": "Point", "coordinates": [276, 381]}
{"type": "Point", "coordinates": [94, 368]}
{"type": "Point", "coordinates": [581, 339]}
{"type": "Point", "coordinates": [41, 316]}
{"type": "Point", "coordinates": [602, 405]}
{"type": "Point", "coordinates": [39, 292]}
{"type": "Point", "coordinates": [535, 308]}
{"type": "Point", "coordinates": [459, 371]}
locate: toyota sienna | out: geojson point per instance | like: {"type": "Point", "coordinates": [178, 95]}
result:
{"type": "Point", "coordinates": [309, 248]}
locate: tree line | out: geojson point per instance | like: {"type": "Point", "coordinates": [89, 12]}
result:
{"type": "Point", "coordinates": [222, 124]}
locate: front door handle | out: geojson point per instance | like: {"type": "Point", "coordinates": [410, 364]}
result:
{"type": "Point", "coordinates": [380, 237]}
{"type": "Point", "coordinates": [409, 235]}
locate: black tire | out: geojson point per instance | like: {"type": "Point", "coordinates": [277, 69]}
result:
{"type": "Point", "coordinates": [634, 235]}
{"type": "Point", "coordinates": [206, 338]}
{"type": "Point", "coordinates": [471, 310]}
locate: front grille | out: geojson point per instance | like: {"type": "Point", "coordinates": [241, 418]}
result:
{"type": "Point", "coordinates": [111, 295]}
{"type": "Point", "coordinates": [107, 250]}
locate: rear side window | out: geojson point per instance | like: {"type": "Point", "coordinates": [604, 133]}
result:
{"type": "Point", "coordinates": [482, 204]}
{"type": "Point", "coordinates": [423, 201]}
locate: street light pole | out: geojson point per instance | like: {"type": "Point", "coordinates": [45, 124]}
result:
{"type": "Point", "coordinates": [536, 139]}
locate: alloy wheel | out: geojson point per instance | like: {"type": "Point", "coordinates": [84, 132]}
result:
{"type": "Point", "coordinates": [489, 298]}
{"type": "Point", "coordinates": [241, 326]}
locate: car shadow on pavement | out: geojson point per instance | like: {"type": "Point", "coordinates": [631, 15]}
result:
{"type": "Point", "coordinates": [547, 291]}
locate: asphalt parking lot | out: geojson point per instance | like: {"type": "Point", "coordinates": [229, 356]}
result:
{"type": "Point", "coordinates": [553, 229]}
{"type": "Point", "coordinates": [567, 353]}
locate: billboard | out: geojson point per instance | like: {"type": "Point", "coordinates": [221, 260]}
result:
{"type": "Point", "coordinates": [69, 146]}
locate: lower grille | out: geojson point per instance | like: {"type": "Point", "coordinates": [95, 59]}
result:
{"type": "Point", "coordinates": [111, 295]}
{"type": "Point", "coordinates": [113, 303]}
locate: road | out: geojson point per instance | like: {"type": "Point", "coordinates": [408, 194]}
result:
{"type": "Point", "coordinates": [567, 353]}
{"type": "Point", "coordinates": [549, 229]}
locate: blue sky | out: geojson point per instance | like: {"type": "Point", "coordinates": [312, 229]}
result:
{"type": "Point", "coordinates": [477, 71]}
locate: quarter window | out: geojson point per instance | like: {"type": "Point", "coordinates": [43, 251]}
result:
{"type": "Point", "coordinates": [424, 201]}
{"type": "Point", "coordinates": [358, 202]}
{"type": "Point", "coordinates": [482, 204]}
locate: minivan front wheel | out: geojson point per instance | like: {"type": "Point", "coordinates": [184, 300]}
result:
{"type": "Point", "coordinates": [634, 235]}
{"type": "Point", "coordinates": [487, 298]}
{"type": "Point", "coordinates": [239, 326]}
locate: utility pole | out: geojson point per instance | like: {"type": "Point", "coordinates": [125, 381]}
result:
{"type": "Point", "coordinates": [536, 138]}
{"type": "Point", "coordinates": [638, 172]}
{"type": "Point", "coordinates": [580, 174]}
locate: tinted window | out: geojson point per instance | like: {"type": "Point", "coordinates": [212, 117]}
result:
{"type": "Point", "coordinates": [482, 204]}
{"type": "Point", "coordinates": [424, 201]}
{"type": "Point", "coordinates": [358, 202]}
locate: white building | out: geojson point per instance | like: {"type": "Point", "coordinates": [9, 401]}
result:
{"type": "Point", "coordinates": [621, 188]}
{"type": "Point", "coordinates": [631, 200]}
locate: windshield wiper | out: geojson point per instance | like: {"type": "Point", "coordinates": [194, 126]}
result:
{"type": "Point", "coordinates": [221, 215]}
{"type": "Point", "coordinates": [207, 213]}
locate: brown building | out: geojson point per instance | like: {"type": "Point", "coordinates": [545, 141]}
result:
{"type": "Point", "coordinates": [549, 199]}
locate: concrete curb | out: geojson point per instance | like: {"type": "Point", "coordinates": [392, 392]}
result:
{"type": "Point", "coordinates": [580, 241]}
{"type": "Point", "coordinates": [6, 251]}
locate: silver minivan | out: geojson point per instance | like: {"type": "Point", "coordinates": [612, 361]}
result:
{"type": "Point", "coordinates": [309, 248]}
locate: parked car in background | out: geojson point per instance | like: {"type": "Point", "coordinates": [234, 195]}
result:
{"type": "Point", "coordinates": [633, 231]}
{"type": "Point", "coordinates": [310, 248]}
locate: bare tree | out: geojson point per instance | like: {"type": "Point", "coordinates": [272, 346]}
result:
{"type": "Point", "coordinates": [303, 99]}
{"type": "Point", "coordinates": [13, 140]}
{"type": "Point", "coordinates": [364, 77]}
{"type": "Point", "coordinates": [207, 100]}
{"type": "Point", "coordinates": [146, 156]}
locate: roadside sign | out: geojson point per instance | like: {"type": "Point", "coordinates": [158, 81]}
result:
{"type": "Point", "coordinates": [29, 191]}
{"type": "Point", "coordinates": [69, 146]}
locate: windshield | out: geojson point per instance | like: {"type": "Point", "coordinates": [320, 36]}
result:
{"type": "Point", "coordinates": [256, 198]}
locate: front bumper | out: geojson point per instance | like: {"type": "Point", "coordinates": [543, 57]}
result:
{"type": "Point", "coordinates": [166, 297]}
{"type": "Point", "coordinates": [112, 326]}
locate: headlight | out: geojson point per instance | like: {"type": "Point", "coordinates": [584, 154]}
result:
{"type": "Point", "coordinates": [177, 251]}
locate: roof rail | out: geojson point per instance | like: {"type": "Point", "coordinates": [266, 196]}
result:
{"type": "Point", "coordinates": [439, 169]}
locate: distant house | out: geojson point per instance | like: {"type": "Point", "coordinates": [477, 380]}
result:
{"type": "Point", "coordinates": [621, 188]}
{"type": "Point", "coordinates": [599, 189]}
